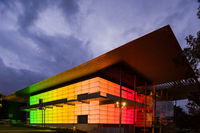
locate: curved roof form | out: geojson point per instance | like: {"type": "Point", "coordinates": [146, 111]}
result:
{"type": "Point", "coordinates": [156, 55]}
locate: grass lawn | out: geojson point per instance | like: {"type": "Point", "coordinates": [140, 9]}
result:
{"type": "Point", "coordinates": [15, 129]}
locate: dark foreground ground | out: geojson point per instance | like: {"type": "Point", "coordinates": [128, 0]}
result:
{"type": "Point", "coordinates": [17, 129]}
{"type": "Point", "coordinates": [27, 129]}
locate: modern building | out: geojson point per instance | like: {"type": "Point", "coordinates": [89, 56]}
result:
{"type": "Point", "coordinates": [121, 90]}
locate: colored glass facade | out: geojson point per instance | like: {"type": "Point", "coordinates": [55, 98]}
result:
{"type": "Point", "coordinates": [94, 109]}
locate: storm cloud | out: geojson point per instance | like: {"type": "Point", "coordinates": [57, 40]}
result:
{"type": "Point", "coordinates": [41, 38]}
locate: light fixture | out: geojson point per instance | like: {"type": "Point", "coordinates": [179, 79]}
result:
{"type": "Point", "coordinates": [123, 104]}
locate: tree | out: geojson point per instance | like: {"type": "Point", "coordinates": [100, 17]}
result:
{"type": "Point", "coordinates": [181, 118]}
{"type": "Point", "coordinates": [1, 98]}
{"type": "Point", "coordinates": [198, 12]}
{"type": "Point", "coordinates": [192, 53]}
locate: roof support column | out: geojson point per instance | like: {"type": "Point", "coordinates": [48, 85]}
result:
{"type": "Point", "coordinates": [44, 109]}
{"type": "Point", "coordinates": [134, 106]}
{"type": "Point", "coordinates": [145, 108]}
{"type": "Point", "coordinates": [154, 108]}
{"type": "Point", "coordinates": [120, 102]}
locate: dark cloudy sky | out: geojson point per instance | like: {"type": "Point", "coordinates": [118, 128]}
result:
{"type": "Point", "coordinates": [41, 38]}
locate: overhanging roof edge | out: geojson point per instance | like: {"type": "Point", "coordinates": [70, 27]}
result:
{"type": "Point", "coordinates": [86, 68]}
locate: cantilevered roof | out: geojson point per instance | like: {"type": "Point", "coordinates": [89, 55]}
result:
{"type": "Point", "coordinates": [157, 56]}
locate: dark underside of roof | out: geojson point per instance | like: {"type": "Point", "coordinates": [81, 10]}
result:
{"type": "Point", "coordinates": [155, 58]}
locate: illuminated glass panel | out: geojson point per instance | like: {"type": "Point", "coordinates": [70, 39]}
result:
{"type": "Point", "coordinates": [104, 114]}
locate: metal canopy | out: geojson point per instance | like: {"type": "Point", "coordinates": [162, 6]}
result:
{"type": "Point", "coordinates": [177, 89]}
{"type": "Point", "coordinates": [40, 105]}
{"type": "Point", "coordinates": [85, 98]}
{"type": "Point", "coordinates": [157, 56]}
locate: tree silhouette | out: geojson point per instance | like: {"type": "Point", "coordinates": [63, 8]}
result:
{"type": "Point", "coordinates": [192, 52]}
{"type": "Point", "coordinates": [181, 118]}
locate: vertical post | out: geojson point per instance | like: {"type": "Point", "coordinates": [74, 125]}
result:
{"type": "Point", "coordinates": [134, 88]}
{"type": "Point", "coordinates": [120, 103]}
{"type": "Point", "coordinates": [145, 108]}
{"type": "Point", "coordinates": [161, 113]}
{"type": "Point", "coordinates": [154, 108]}
{"type": "Point", "coordinates": [44, 116]}
{"type": "Point", "coordinates": [41, 108]}
{"type": "Point", "coordinates": [74, 124]}
{"type": "Point", "coordinates": [161, 121]}
{"type": "Point", "coordinates": [174, 110]}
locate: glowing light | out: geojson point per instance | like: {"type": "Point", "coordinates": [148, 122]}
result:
{"type": "Point", "coordinates": [124, 104]}
{"type": "Point", "coordinates": [97, 113]}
